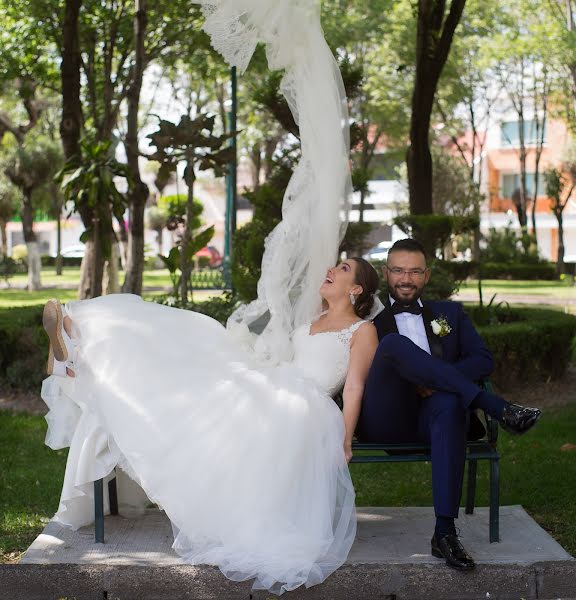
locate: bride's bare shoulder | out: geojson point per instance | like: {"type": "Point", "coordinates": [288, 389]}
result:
{"type": "Point", "coordinates": [365, 333]}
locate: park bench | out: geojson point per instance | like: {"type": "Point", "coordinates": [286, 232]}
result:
{"type": "Point", "coordinates": [484, 449]}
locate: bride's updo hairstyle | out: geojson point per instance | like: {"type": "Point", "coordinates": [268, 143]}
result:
{"type": "Point", "coordinates": [367, 277]}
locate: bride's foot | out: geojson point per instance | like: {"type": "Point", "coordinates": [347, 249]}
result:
{"type": "Point", "coordinates": [58, 328]}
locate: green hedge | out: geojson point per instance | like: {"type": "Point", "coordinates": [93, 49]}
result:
{"type": "Point", "coordinates": [543, 270]}
{"type": "Point", "coordinates": [67, 261]}
{"type": "Point", "coordinates": [531, 343]}
{"type": "Point", "coordinates": [527, 343]}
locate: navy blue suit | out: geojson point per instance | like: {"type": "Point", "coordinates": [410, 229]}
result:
{"type": "Point", "coordinates": [392, 411]}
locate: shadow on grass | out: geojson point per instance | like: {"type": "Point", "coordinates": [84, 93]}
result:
{"type": "Point", "coordinates": [31, 477]}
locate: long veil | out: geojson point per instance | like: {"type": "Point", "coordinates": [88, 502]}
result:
{"type": "Point", "coordinates": [315, 206]}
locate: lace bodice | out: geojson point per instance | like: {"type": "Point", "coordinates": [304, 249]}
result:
{"type": "Point", "coordinates": [324, 356]}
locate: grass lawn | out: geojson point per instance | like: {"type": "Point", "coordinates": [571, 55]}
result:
{"type": "Point", "coordinates": [536, 473]}
{"type": "Point", "coordinates": [71, 276]}
{"type": "Point", "coordinates": [503, 287]}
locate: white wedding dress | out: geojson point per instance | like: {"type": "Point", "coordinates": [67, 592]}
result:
{"type": "Point", "coordinates": [247, 461]}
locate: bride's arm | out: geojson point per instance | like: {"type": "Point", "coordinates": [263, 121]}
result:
{"type": "Point", "coordinates": [362, 349]}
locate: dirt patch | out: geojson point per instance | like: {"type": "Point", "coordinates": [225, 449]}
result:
{"type": "Point", "coordinates": [28, 402]}
{"type": "Point", "coordinates": [545, 394]}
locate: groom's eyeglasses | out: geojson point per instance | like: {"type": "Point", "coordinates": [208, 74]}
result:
{"type": "Point", "coordinates": [397, 271]}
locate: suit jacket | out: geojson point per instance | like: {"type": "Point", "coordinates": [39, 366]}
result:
{"type": "Point", "coordinates": [462, 347]}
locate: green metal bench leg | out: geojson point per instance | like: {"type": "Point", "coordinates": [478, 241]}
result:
{"type": "Point", "coordinates": [495, 500]}
{"type": "Point", "coordinates": [471, 486]}
{"type": "Point", "coordinates": [113, 496]}
{"type": "Point", "coordinates": [99, 511]}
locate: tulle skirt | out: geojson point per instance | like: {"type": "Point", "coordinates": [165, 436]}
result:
{"type": "Point", "coordinates": [246, 461]}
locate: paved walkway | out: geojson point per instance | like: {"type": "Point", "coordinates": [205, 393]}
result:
{"type": "Point", "coordinates": [390, 560]}
{"type": "Point", "coordinates": [385, 535]}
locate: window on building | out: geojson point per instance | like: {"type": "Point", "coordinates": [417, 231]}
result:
{"type": "Point", "coordinates": [511, 182]}
{"type": "Point", "coordinates": [510, 133]}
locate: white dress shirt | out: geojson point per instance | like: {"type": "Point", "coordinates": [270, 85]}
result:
{"type": "Point", "coordinates": [412, 326]}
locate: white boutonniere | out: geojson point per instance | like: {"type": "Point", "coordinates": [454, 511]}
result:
{"type": "Point", "coordinates": [440, 326]}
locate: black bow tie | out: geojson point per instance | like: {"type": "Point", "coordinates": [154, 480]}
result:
{"type": "Point", "coordinates": [413, 309]}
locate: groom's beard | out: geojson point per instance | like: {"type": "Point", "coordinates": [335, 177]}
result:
{"type": "Point", "coordinates": [405, 293]}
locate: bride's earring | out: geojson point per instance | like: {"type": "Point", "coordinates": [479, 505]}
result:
{"type": "Point", "coordinates": [352, 298]}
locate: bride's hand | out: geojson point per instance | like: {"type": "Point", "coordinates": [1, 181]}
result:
{"type": "Point", "coordinates": [348, 452]}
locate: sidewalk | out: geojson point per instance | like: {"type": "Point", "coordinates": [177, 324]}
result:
{"type": "Point", "coordinates": [390, 560]}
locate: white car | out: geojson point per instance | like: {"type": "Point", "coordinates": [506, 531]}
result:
{"type": "Point", "coordinates": [75, 251]}
{"type": "Point", "coordinates": [379, 252]}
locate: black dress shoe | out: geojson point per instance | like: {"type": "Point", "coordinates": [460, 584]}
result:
{"type": "Point", "coordinates": [452, 551]}
{"type": "Point", "coordinates": [518, 419]}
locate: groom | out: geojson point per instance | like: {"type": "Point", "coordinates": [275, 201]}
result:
{"type": "Point", "coordinates": [421, 387]}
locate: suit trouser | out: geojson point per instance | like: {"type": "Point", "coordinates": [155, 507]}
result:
{"type": "Point", "coordinates": [392, 412]}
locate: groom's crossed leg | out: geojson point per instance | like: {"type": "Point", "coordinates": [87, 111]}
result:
{"type": "Point", "coordinates": [392, 412]}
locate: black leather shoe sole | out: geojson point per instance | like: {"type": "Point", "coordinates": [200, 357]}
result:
{"type": "Point", "coordinates": [437, 554]}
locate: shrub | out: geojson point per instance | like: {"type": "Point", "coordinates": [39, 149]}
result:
{"type": "Point", "coordinates": [67, 261]}
{"type": "Point", "coordinates": [217, 307]}
{"type": "Point", "coordinates": [20, 253]}
{"type": "Point", "coordinates": [509, 246]}
{"type": "Point", "coordinates": [248, 246]}
{"type": "Point", "coordinates": [8, 267]}
{"type": "Point", "coordinates": [527, 343]}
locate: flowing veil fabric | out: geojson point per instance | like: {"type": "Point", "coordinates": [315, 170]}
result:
{"type": "Point", "coordinates": [315, 208]}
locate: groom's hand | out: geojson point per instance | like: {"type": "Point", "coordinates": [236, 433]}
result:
{"type": "Point", "coordinates": [424, 392]}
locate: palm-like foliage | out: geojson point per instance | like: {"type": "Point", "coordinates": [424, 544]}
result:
{"type": "Point", "coordinates": [92, 189]}
{"type": "Point", "coordinates": [193, 142]}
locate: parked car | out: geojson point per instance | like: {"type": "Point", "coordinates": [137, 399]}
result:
{"type": "Point", "coordinates": [214, 257]}
{"type": "Point", "coordinates": [74, 251]}
{"type": "Point", "coordinates": [379, 252]}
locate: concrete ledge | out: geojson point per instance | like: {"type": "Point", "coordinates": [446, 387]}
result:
{"type": "Point", "coordinates": [551, 580]}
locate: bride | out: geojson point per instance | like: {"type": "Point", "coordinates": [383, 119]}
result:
{"type": "Point", "coordinates": [235, 434]}
{"type": "Point", "coordinates": [248, 462]}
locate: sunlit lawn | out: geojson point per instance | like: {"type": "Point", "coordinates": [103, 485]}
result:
{"type": "Point", "coordinates": [558, 289]}
{"type": "Point", "coordinates": [16, 296]}
{"type": "Point", "coordinates": [536, 473]}
{"type": "Point", "coordinates": [71, 276]}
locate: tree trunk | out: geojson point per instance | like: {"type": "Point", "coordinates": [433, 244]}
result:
{"type": "Point", "coordinates": [91, 271]}
{"type": "Point", "coordinates": [139, 193]}
{"type": "Point", "coordinates": [560, 267]}
{"type": "Point", "coordinates": [71, 121]}
{"type": "Point", "coordinates": [185, 264]}
{"type": "Point", "coordinates": [476, 235]}
{"type": "Point", "coordinates": [3, 238]}
{"type": "Point", "coordinates": [111, 283]}
{"type": "Point", "coordinates": [434, 38]}
{"type": "Point", "coordinates": [34, 262]}
{"type": "Point", "coordinates": [160, 239]}
{"type": "Point", "coordinates": [58, 246]}
{"type": "Point", "coordinates": [135, 254]}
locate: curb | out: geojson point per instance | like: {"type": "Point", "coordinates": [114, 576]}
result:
{"type": "Point", "coordinates": [546, 580]}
